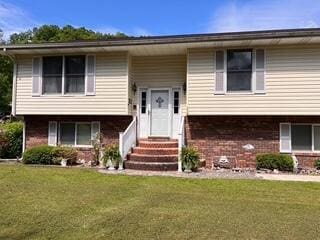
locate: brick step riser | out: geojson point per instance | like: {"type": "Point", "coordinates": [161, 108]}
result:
{"type": "Point", "coordinates": [148, 167]}
{"type": "Point", "coordinates": [157, 151]}
{"type": "Point", "coordinates": [158, 145]}
{"type": "Point", "coordinates": [158, 140]}
{"type": "Point", "coordinates": [148, 159]}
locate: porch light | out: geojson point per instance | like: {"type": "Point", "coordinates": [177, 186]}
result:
{"type": "Point", "coordinates": [184, 87]}
{"type": "Point", "coordinates": [134, 88]}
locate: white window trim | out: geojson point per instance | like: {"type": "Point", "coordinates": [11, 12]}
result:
{"type": "Point", "coordinates": [253, 90]}
{"type": "Point", "coordinates": [75, 137]}
{"type": "Point", "coordinates": [312, 138]}
{"type": "Point", "coordinates": [63, 94]}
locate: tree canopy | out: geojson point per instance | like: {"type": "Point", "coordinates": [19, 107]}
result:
{"type": "Point", "coordinates": [54, 33]}
{"type": "Point", "coordinates": [44, 33]}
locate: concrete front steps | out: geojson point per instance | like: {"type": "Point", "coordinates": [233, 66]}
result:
{"type": "Point", "coordinates": [154, 154]}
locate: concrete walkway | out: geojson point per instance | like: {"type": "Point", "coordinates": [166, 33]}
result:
{"type": "Point", "coordinates": [289, 177]}
{"type": "Point", "coordinates": [217, 174]}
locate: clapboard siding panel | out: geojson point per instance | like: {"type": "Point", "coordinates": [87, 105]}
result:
{"type": "Point", "coordinates": [111, 90]}
{"type": "Point", "coordinates": [292, 85]}
{"type": "Point", "coordinates": [160, 71]}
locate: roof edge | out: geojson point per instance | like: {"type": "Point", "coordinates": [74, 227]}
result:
{"type": "Point", "coordinates": [171, 39]}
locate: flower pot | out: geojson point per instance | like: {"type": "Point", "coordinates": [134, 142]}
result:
{"type": "Point", "coordinates": [110, 165]}
{"type": "Point", "coordinates": [64, 162]}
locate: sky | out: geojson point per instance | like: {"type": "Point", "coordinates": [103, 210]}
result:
{"type": "Point", "coordinates": [155, 17]}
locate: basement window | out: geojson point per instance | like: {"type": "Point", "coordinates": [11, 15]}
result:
{"type": "Point", "coordinates": [75, 134]}
{"type": "Point", "coordinates": [305, 137]}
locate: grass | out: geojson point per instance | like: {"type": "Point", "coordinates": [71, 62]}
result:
{"type": "Point", "coordinates": [52, 203]}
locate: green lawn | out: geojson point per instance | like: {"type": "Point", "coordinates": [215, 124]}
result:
{"type": "Point", "coordinates": [51, 203]}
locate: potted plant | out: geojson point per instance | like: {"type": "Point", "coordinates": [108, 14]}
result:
{"type": "Point", "coordinates": [112, 156]}
{"type": "Point", "coordinates": [190, 159]}
{"type": "Point", "coordinates": [97, 149]}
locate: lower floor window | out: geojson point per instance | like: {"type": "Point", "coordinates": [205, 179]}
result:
{"type": "Point", "coordinates": [75, 133]}
{"type": "Point", "coordinates": [305, 137]}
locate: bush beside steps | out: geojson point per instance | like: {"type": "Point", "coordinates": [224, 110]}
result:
{"type": "Point", "coordinates": [49, 155]}
{"type": "Point", "coordinates": [272, 161]}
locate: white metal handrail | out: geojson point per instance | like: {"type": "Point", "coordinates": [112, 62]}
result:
{"type": "Point", "coordinates": [128, 139]}
{"type": "Point", "coordinates": [181, 142]}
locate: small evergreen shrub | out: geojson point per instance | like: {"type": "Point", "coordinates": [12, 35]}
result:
{"type": "Point", "coordinates": [68, 153]}
{"type": "Point", "coordinates": [11, 139]}
{"type": "Point", "coordinates": [282, 162]}
{"type": "Point", "coordinates": [317, 164]}
{"type": "Point", "coordinates": [48, 155]}
{"type": "Point", "coordinates": [112, 153]}
{"type": "Point", "coordinates": [39, 155]}
{"type": "Point", "coordinates": [190, 158]}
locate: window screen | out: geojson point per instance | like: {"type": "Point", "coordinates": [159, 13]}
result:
{"type": "Point", "coordinates": [67, 133]}
{"type": "Point", "coordinates": [301, 137]}
{"type": "Point", "coordinates": [74, 74]}
{"type": "Point", "coordinates": [52, 75]}
{"type": "Point", "coordinates": [239, 70]}
{"type": "Point", "coordinates": [83, 133]}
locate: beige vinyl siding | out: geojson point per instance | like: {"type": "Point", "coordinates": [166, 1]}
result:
{"type": "Point", "coordinates": [160, 72]}
{"type": "Point", "coordinates": [111, 90]}
{"type": "Point", "coordinates": [292, 85]}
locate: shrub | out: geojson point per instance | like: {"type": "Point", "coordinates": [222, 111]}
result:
{"type": "Point", "coordinates": [49, 155]}
{"type": "Point", "coordinates": [272, 161]}
{"type": "Point", "coordinates": [317, 164]}
{"type": "Point", "coordinates": [11, 139]}
{"type": "Point", "coordinates": [190, 158]}
{"type": "Point", "coordinates": [38, 155]}
{"type": "Point", "coordinates": [112, 153]}
{"type": "Point", "coordinates": [68, 153]}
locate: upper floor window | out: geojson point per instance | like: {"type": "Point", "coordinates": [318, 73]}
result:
{"type": "Point", "coordinates": [52, 75]}
{"type": "Point", "coordinates": [74, 74]}
{"type": "Point", "coordinates": [239, 70]}
{"type": "Point", "coordinates": [73, 78]}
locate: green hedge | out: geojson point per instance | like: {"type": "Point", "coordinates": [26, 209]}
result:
{"type": "Point", "coordinates": [11, 139]}
{"type": "Point", "coordinates": [48, 155]}
{"type": "Point", "coordinates": [282, 162]}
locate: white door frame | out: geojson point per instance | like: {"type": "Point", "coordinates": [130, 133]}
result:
{"type": "Point", "coordinates": [169, 110]}
{"type": "Point", "coordinates": [148, 108]}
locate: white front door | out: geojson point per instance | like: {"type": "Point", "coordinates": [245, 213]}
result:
{"type": "Point", "coordinates": [159, 113]}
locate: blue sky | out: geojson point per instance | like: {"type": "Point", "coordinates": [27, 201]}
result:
{"type": "Point", "coordinates": [160, 17]}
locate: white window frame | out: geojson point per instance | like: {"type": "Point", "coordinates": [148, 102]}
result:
{"type": "Point", "coordinates": [312, 138]}
{"type": "Point", "coordinates": [63, 77]}
{"type": "Point", "coordinates": [75, 136]}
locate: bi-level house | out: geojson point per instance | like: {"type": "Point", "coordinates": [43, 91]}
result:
{"type": "Point", "coordinates": [232, 95]}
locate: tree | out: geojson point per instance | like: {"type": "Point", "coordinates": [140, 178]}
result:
{"type": "Point", "coordinates": [44, 33]}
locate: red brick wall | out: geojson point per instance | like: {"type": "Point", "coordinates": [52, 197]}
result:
{"type": "Point", "coordinates": [110, 126]}
{"type": "Point", "coordinates": [226, 136]}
